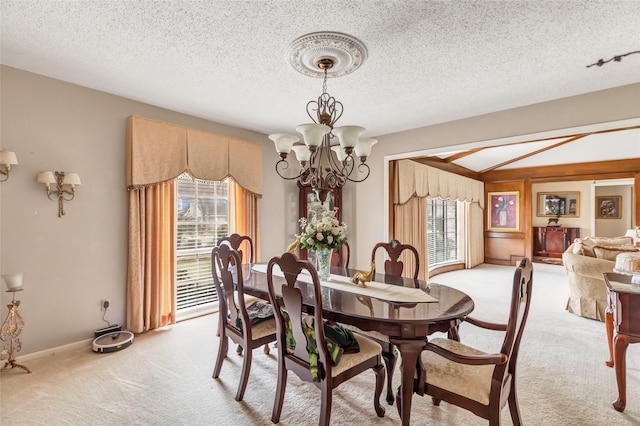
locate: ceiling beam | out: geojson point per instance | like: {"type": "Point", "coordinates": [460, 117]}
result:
{"type": "Point", "coordinates": [441, 164]}
{"type": "Point", "coordinates": [615, 169]}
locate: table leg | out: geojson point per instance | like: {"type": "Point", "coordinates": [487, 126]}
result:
{"type": "Point", "coordinates": [620, 344]}
{"type": "Point", "coordinates": [409, 352]}
{"type": "Point", "coordinates": [608, 322]}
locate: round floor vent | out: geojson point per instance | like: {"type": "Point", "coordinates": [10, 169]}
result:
{"type": "Point", "coordinates": [112, 342]}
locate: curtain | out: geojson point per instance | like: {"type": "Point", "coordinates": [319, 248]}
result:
{"type": "Point", "coordinates": [410, 227]}
{"type": "Point", "coordinates": [157, 153]}
{"type": "Point", "coordinates": [151, 263]}
{"type": "Point", "coordinates": [160, 152]}
{"type": "Point", "coordinates": [412, 179]}
{"type": "Point", "coordinates": [245, 217]}
{"type": "Point", "coordinates": [474, 241]}
{"type": "Point", "coordinates": [412, 182]}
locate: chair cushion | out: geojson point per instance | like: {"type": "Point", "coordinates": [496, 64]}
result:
{"type": "Point", "coordinates": [470, 381]}
{"type": "Point", "coordinates": [368, 349]}
{"type": "Point", "coordinates": [263, 328]}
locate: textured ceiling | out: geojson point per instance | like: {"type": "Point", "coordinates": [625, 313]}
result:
{"type": "Point", "coordinates": [428, 61]}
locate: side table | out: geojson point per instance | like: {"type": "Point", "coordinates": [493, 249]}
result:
{"type": "Point", "coordinates": [622, 321]}
{"type": "Point", "coordinates": [11, 329]}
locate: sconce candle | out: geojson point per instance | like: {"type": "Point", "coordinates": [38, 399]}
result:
{"type": "Point", "coordinates": [71, 180]}
{"type": "Point", "coordinates": [13, 281]}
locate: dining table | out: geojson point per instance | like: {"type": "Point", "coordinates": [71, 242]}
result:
{"type": "Point", "coordinates": [407, 323]}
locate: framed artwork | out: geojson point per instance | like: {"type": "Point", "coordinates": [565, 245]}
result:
{"type": "Point", "coordinates": [556, 204]}
{"type": "Point", "coordinates": [608, 207]}
{"type": "Point", "coordinates": [503, 211]}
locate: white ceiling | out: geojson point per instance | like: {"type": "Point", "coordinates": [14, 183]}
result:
{"type": "Point", "coordinates": [428, 61]}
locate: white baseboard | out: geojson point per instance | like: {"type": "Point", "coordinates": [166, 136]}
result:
{"type": "Point", "coordinates": [53, 351]}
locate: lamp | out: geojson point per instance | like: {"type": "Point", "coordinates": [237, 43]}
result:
{"type": "Point", "coordinates": [60, 179]}
{"type": "Point", "coordinates": [12, 325]}
{"type": "Point", "coordinates": [635, 233]}
{"type": "Point", "coordinates": [7, 159]}
{"type": "Point", "coordinates": [325, 165]}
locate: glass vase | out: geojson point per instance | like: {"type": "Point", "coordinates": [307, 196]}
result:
{"type": "Point", "coordinates": [323, 257]}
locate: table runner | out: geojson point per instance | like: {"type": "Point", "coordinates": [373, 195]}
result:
{"type": "Point", "coordinates": [383, 291]}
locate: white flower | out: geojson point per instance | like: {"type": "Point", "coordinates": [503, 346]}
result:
{"type": "Point", "coordinates": [329, 239]}
{"type": "Point", "coordinates": [319, 236]}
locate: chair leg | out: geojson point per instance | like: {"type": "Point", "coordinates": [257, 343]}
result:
{"type": "Point", "coordinates": [280, 388]}
{"type": "Point", "coordinates": [325, 406]}
{"type": "Point", "coordinates": [514, 409]}
{"type": "Point", "coordinates": [267, 349]}
{"type": "Point", "coordinates": [389, 354]}
{"type": "Point", "coordinates": [244, 377]}
{"type": "Point", "coordinates": [239, 350]}
{"type": "Point", "coordinates": [435, 401]}
{"type": "Point", "coordinates": [380, 371]}
{"type": "Point", "coordinates": [222, 354]}
{"type": "Point", "coordinates": [399, 401]}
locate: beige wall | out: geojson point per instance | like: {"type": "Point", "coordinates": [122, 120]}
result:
{"type": "Point", "coordinates": [71, 263]}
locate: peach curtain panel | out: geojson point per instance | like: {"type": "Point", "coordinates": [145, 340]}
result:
{"type": "Point", "coordinates": [412, 182]}
{"type": "Point", "coordinates": [151, 263]}
{"type": "Point", "coordinates": [245, 217]}
{"type": "Point", "coordinates": [157, 153]}
{"type": "Point", "coordinates": [410, 227]}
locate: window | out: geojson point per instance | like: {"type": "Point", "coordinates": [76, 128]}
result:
{"type": "Point", "coordinates": [202, 217]}
{"type": "Point", "coordinates": [442, 231]}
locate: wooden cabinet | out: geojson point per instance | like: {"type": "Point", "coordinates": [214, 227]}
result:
{"type": "Point", "coordinates": [552, 241]}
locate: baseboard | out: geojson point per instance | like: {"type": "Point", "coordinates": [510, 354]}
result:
{"type": "Point", "coordinates": [53, 351]}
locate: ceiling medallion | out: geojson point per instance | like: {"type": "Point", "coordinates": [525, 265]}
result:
{"type": "Point", "coordinates": [324, 165]}
{"type": "Point", "coordinates": [346, 52]}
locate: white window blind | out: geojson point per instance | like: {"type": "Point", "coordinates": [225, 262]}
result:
{"type": "Point", "coordinates": [442, 231]}
{"type": "Point", "coordinates": [202, 217]}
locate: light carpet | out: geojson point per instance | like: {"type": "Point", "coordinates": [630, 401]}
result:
{"type": "Point", "coordinates": [164, 378]}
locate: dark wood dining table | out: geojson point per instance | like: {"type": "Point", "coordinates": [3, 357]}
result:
{"type": "Point", "coordinates": [406, 324]}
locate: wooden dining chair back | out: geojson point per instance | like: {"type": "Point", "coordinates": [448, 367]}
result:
{"type": "Point", "coordinates": [393, 265]}
{"type": "Point", "coordinates": [475, 380]}
{"type": "Point", "coordinates": [340, 257]}
{"type": "Point", "coordinates": [249, 327]}
{"type": "Point", "coordinates": [243, 244]}
{"type": "Point", "coordinates": [302, 339]}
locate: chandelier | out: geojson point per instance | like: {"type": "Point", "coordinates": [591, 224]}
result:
{"type": "Point", "coordinates": [330, 156]}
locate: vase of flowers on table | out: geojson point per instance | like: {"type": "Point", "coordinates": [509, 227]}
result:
{"type": "Point", "coordinates": [323, 233]}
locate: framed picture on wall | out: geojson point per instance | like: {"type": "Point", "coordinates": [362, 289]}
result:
{"type": "Point", "coordinates": [609, 207]}
{"type": "Point", "coordinates": [503, 211]}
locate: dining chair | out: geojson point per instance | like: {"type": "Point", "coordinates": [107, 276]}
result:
{"type": "Point", "coordinates": [470, 378]}
{"type": "Point", "coordinates": [239, 242]}
{"type": "Point", "coordinates": [340, 257]}
{"type": "Point", "coordinates": [394, 266]}
{"type": "Point", "coordinates": [303, 342]}
{"type": "Point", "coordinates": [242, 244]}
{"type": "Point", "coordinates": [248, 330]}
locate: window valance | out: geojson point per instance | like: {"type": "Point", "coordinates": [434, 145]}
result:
{"type": "Point", "coordinates": [415, 179]}
{"type": "Point", "coordinates": [159, 152]}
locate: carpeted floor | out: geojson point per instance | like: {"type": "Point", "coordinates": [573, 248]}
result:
{"type": "Point", "coordinates": [164, 378]}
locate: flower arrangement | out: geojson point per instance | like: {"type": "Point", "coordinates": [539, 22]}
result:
{"type": "Point", "coordinates": [502, 204]}
{"type": "Point", "coordinates": [322, 231]}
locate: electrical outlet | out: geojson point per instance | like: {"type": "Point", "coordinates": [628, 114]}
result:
{"type": "Point", "coordinates": [106, 303]}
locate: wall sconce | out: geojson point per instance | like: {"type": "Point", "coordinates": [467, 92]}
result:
{"type": "Point", "coordinates": [60, 179]}
{"type": "Point", "coordinates": [7, 159]}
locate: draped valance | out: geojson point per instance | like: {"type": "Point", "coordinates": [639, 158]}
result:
{"type": "Point", "coordinates": [159, 152]}
{"type": "Point", "coordinates": [415, 179]}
